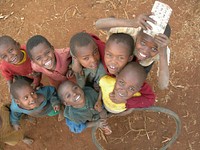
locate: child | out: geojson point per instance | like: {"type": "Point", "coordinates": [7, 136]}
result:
{"type": "Point", "coordinates": [84, 49]}
{"type": "Point", "coordinates": [15, 62]}
{"type": "Point", "coordinates": [53, 63]}
{"type": "Point", "coordinates": [34, 103]}
{"type": "Point", "coordinates": [8, 134]}
{"type": "Point", "coordinates": [118, 53]}
{"type": "Point", "coordinates": [116, 92]}
{"type": "Point", "coordinates": [147, 49]}
{"type": "Point", "coordinates": [79, 108]}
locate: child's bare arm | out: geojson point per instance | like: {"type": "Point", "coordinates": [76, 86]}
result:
{"type": "Point", "coordinates": [139, 21]}
{"type": "Point", "coordinates": [76, 66]}
{"type": "Point", "coordinates": [98, 104]}
{"type": "Point", "coordinates": [163, 74]}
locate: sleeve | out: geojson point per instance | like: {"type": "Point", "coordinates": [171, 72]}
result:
{"type": "Point", "coordinates": [14, 115]}
{"type": "Point", "coordinates": [146, 99]}
{"type": "Point", "coordinates": [6, 73]}
{"type": "Point", "coordinates": [54, 99]}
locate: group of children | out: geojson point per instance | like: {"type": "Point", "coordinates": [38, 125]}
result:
{"type": "Point", "coordinates": [90, 79]}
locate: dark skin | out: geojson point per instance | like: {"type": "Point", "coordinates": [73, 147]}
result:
{"type": "Point", "coordinates": [1, 122]}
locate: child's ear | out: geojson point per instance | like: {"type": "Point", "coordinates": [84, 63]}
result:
{"type": "Point", "coordinates": [17, 101]}
{"type": "Point", "coordinates": [130, 58]}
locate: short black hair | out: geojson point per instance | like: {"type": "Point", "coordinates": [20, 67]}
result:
{"type": "Point", "coordinates": [78, 40]}
{"type": "Point", "coordinates": [5, 39]}
{"type": "Point", "coordinates": [34, 41]}
{"type": "Point", "coordinates": [122, 38]}
{"type": "Point", "coordinates": [17, 84]}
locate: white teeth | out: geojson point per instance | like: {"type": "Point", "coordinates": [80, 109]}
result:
{"type": "Point", "coordinates": [120, 94]}
{"type": "Point", "coordinates": [47, 63]}
{"type": "Point", "coordinates": [112, 67]}
{"type": "Point", "coordinates": [77, 97]}
{"type": "Point", "coordinates": [142, 55]}
{"type": "Point", "coordinates": [32, 103]}
{"type": "Point", "coordinates": [13, 59]}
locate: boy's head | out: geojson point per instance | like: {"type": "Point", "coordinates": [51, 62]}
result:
{"type": "Point", "coordinates": [41, 52]}
{"type": "Point", "coordinates": [118, 52]}
{"type": "Point", "coordinates": [24, 95]}
{"type": "Point", "coordinates": [146, 47]}
{"type": "Point", "coordinates": [85, 50]}
{"type": "Point", "coordinates": [10, 50]}
{"type": "Point", "coordinates": [71, 94]}
{"type": "Point", "coordinates": [129, 81]}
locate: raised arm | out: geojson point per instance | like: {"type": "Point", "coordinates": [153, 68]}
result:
{"type": "Point", "coordinates": [139, 21]}
{"type": "Point", "coordinates": [163, 74]}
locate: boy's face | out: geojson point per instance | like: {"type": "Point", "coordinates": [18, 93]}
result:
{"type": "Point", "coordinates": [27, 98]}
{"type": "Point", "coordinates": [126, 85]}
{"type": "Point", "coordinates": [11, 53]}
{"type": "Point", "coordinates": [88, 56]}
{"type": "Point", "coordinates": [116, 57]}
{"type": "Point", "coordinates": [44, 56]}
{"type": "Point", "coordinates": [145, 47]}
{"type": "Point", "coordinates": [73, 96]}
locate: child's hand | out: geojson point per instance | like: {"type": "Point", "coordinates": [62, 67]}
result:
{"type": "Point", "coordinates": [142, 19]}
{"type": "Point", "coordinates": [56, 108]}
{"type": "Point", "coordinates": [98, 106]}
{"type": "Point", "coordinates": [96, 87]}
{"type": "Point", "coordinates": [70, 73]}
{"type": "Point", "coordinates": [162, 41]}
{"type": "Point", "coordinates": [16, 127]}
{"type": "Point", "coordinates": [101, 123]}
{"type": "Point", "coordinates": [76, 67]}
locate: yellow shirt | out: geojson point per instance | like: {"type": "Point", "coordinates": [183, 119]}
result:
{"type": "Point", "coordinates": [107, 84]}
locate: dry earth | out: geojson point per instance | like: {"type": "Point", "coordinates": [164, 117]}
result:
{"type": "Point", "coordinates": [59, 20]}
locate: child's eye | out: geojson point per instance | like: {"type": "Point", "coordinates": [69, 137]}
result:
{"type": "Point", "coordinates": [75, 87]}
{"type": "Point", "coordinates": [47, 52]}
{"type": "Point", "coordinates": [26, 97]}
{"type": "Point", "coordinates": [108, 55]}
{"type": "Point", "coordinates": [32, 93]}
{"type": "Point", "coordinates": [10, 50]}
{"type": "Point", "coordinates": [121, 58]}
{"type": "Point", "coordinates": [142, 43]}
{"type": "Point", "coordinates": [38, 58]}
{"type": "Point", "coordinates": [131, 88]}
{"type": "Point", "coordinates": [121, 83]}
{"type": "Point", "coordinates": [3, 57]}
{"type": "Point", "coordinates": [96, 51]}
{"type": "Point", "coordinates": [67, 95]}
{"type": "Point", "coordinates": [154, 49]}
{"type": "Point", "coordinates": [86, 58]}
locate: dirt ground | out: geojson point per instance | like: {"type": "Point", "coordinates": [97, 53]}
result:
{"type": "Point", "coordinates": [59, 20]}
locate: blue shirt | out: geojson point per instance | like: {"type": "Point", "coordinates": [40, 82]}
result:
{"type": "Point", "coordinates": [50, 100]}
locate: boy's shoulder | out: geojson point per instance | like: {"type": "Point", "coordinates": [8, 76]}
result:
{"type": "Point", "coordinates": [46, 89]}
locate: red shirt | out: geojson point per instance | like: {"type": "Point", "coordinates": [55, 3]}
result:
{"type": "Point", "coordinates": [146, 99]}
{"type": "Point", "coordinates": [9, 70]}
{"type": "Point", "coordinates": [63, 59]}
